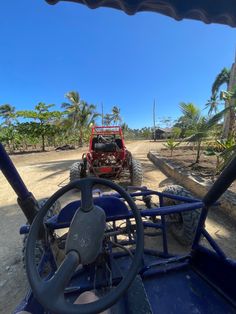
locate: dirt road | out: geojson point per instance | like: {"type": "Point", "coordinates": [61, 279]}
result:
{"type": "Point", "coordinates": [43, 173]}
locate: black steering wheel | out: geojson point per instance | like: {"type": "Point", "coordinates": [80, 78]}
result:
{"type": "Point", "coordinates": [83, 244]}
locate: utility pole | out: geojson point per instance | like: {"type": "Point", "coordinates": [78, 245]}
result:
{"type": "Point", "coordinates": [102, 115]}
{"type": "Point", "coordinates": [154, 120]}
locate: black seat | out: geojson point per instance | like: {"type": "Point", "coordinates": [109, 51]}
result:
{"type": "Point", "coordinates": [105, 147]}
{"type": "Point", "coordinates": [94, 141]}
{"type": "Point", "coordinates": [119, 143]}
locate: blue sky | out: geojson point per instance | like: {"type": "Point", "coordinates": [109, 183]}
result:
{"type": "Point", "coordinates": [108, 57]}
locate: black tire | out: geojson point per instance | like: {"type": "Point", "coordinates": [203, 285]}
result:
{"type": "Point", "coordinates": [55, 209]}
{"type": "Point", "coordinates": [136, 173]}
{"type": "Point", "coordinates": [185, 223]}
{"type": "Point", "coordinates": [75, 171]}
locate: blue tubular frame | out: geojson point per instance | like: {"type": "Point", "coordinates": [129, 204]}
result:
{"type": "Point", "coordinates": [53, 224]}
{"type": "Point", "coordinates": [224, 181]}
{"type": "Point", "coordinates": [12, 175]}
{"type": "Point", "coordinates": [26, 200]}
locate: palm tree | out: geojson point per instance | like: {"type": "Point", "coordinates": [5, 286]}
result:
{"type": "Point", "coordinates": [116, 118]}
{"type": "Point", "coordinates": [190, 111]}
{"type": "Point", "coordinates": [222, 78]}
{"type": "Point", "coordinates": [73, 108]}
{"type": "Point", "coordinates": [190, 115]}
{"type": "Point", "coordinates": [225, 77]}
{"type": "Point", "coordinates": [81, 115]}
{"type": "Point", "coordinates": [7, 112]}
{"type": "Point", "coordinates": [212, 103]}
{"type": "Point", "coordinates": [107, 119]}
{"type": "Point", "coordinates": [86, 119]}
{"type": "Point", "coordinates": [199, 126]}
{"type": "Point", "coordinates": [124, 127]}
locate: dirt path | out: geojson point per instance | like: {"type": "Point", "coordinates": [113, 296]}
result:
{"type": "Point", "coordinates": [43, 173]}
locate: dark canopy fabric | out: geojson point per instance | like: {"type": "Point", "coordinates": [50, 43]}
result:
{"type": "Point", "coordinates": [208, 11]}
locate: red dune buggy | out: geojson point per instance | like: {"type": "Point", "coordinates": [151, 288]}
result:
{"type": "Point", "coordinates": [108, 157]}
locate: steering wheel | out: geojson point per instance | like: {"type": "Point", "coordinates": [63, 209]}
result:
{"type": "Point", "coordinates": [83, 244]}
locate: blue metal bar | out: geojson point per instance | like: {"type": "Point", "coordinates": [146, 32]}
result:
{"type": "Point", "coordinates": [151, 192]}
{"type": "Point", "coordinates": [213, 244]}
{"type": "Point", "coordinates": [224, 181]}
{"type": "Point", "coordinates": [12, 175]}
{"type": "Point", "coordinates": [164, 237]}
{"type": "Point", "coordinates": [166, 210]}
{"type": "Point", "coordinates": [153, 272]}
{"type": "Point", "coordinates": [163, 221]}
{"type": "Point", "coordinates": [51, 223]}
{"type": "Point", "coordinates": [26, 200]}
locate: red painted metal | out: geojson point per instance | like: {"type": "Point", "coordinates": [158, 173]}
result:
{"type": "Point", "coordinates": [105, 169]}
{"type": "Point", "coordinates": [109, 164]}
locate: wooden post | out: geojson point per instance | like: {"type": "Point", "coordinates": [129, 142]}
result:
{"type": "Point", "coordinates": [102, 115]}
{"type": "Point", "coordinates": [154, 120]}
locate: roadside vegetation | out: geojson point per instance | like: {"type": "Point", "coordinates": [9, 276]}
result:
{"type": "Point", "coordinates": [213, 134]}
{"type": "Point", "coordinates": [45, 127]}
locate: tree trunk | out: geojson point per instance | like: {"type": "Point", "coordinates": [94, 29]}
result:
{"type": "Point", "coordinates": [232, 118]}
{"type": "Point", "coordinates": [198, 152]}
{"type": "Point", "coordinates": [229, 120]}
{"type": "Point", "coordinates": [43, 143]}
{"type": "Point", "coordinates": [81, 137]}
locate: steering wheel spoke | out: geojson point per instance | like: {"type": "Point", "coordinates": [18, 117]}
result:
{"type": "Point", "coordinates": [62, 276]}
{"type": "Point", "coordinates": [86, 188]}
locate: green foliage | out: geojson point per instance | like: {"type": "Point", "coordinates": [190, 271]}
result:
{"type": "Point", "coordinates": [228, 98]}
{"type": "Point", "coordinates": [107, 119]}
{"type": "Point", "coordinates": [190, 116]}
{"type": "Point", "coordinates": [222, 78]}
{"type": "Point", "coordinates": [80, 116]}
{"type": "Point", "coordinates": [43, 125]}
{"type": "Point", "coordinates": [124, 128]}
{"type": "Point", "coordinates": [171, 144]}
{"type": "Point", "coordinates": [223, 150]}
{"type": "Point", "coordinates": [199, 127]}
{"type": "Point", "coordinates": [116, 118]}
{"type": "Point", "coordinates": [212, 104]}
{"type": "Point", "coordinates": [7, 112]}
{"type": "Point", "coordinates": [113, 118]}
{"type": "Point", "coordinates": [176, 132]}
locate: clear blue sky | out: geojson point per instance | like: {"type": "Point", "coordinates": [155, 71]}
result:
{"type": "Point", "coordinates": [109, 57]}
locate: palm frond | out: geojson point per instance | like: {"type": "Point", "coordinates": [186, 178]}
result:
{"type": "Point", "coordinates": [221, 78]}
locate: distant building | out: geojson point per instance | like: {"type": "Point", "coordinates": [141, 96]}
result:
{"type": "Point", "coordinates": [162, 133]}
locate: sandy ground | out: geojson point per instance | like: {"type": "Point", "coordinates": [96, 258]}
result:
{"type": "Point", "coordinates": [43, 173]}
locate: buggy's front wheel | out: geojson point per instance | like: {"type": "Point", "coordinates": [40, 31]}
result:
{"type": "Point", "coordinates": [75, 171]}
{"type": "Point", "coordinates": [38, 253]}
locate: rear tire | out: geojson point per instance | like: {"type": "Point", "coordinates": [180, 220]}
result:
{"type": "Point", "coordinates": [185, 225]}
{"type": "Point", "coordinates": [136, 173]}
{"type": "Point", "coordinates": [38, 252]}
{"type": "Point", "coordinates": [75, 171]}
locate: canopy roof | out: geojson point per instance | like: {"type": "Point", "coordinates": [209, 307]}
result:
{"type": "Point", "coordinates": [208, 11]}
